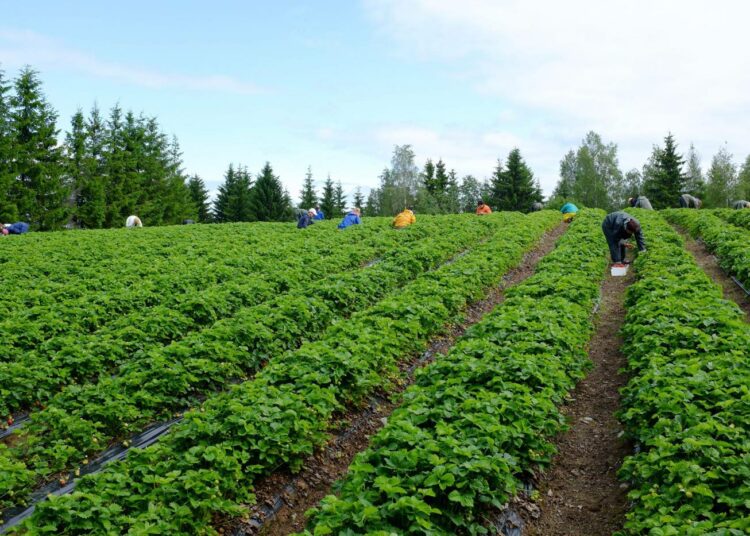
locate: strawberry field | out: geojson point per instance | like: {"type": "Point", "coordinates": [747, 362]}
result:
{"type": "Point", "coordinates": [155, 381]}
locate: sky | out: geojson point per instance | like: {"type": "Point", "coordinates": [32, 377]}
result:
{"type": "Point", "coordinates": [335, 85]}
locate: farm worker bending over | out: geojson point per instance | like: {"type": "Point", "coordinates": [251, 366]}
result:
{"type": "Point", "coordinates": [306, 218]}
{"type": "Point", "coordinates": [404, 218]}
{"type": "Point", "coordinates": [133, 221]}
{"type": "Point", "coordinates": [688, 201]}
{"type": "Point", "coordinates": [536, 207]}
{"type": "Point", "coordinates": [640, 202]}
{"type": "Point", "coordinates": [618, 227]}
{"type": "Point", "coordinates": [569, 211]}
{"type": "Point", "coordinates": [19, 227]}
{"type": "Point", "coordinates": [319, 214]}
{"type": "Point", "coordinates": [352, 218]}
{"type": "Point", "coordinates": [483, 208]}
{"type": "Point", "coordinates": [741, 204]}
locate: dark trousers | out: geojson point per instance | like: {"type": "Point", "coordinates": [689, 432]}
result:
{"type": "Point", "coordinates": [616, 250]}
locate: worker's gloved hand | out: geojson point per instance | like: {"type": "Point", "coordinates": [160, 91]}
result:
{"type": "Point", "coordinates": [628, 245]}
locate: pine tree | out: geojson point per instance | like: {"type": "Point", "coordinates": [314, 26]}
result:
{"type": "Point", "coordinates": [668, 180]}
{"type": "Point", "coordinates": [268, 200]}
{"type": "Point", "coordinates": [308, 196]}
{"type": "Point", "coordinates": [199, 197]}
{"type": "Point", "coordinates": [39, 191]}
{"type": "Point", "coordinates": [340, 199]}
{"type": "Point", "coordinates": [232, 201]}
{"type": "Point", "coordinates": [721, 189]}
{"type": "Point", "coordinates": [8, 209]}
{"type": "Point", "coordinates": [513, 187]}
{"type": "Point", "coordinates": [359, 198]}
{"type": "Point", "coordinates": [328, 199]}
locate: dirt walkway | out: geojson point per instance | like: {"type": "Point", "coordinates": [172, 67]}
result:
{"type": "Point", "coordinates": [580, 495]}
{"type": "Point", "coordinates": [283, 498]}
{"type": "Point", "coordinates": [710, 264]}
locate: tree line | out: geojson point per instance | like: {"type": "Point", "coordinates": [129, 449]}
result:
{"type": "Point", "coordinates": [591, 176]}
{"type": "Point", "coordinates": [107, 167]}
{"type": "Point", "coordinates": [111, 165]}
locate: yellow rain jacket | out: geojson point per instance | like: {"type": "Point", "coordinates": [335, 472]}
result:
{"type": "Point", "coordinates": [404, 219]}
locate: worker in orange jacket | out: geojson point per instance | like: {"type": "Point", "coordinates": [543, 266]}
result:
{"type": "Point", "coordinates": [404, 218]}
{"type": "Point", "coordinates": [483, 208]}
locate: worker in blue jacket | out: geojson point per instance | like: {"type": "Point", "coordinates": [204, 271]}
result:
{"type": "Point", "coordinates": [319, 215]}
{"type": "Point", "coordinates": [618, 227]}
{"type": "Point", "coordinates": [19, 227]}
{"type": "Point", "coordinates": [352, 218]}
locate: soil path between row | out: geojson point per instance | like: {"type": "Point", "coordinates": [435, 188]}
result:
{"type": "Point", "coordinates": [283, 498]}
{"type": "Point", "coordinates": [580, 494]}
{"type": "Point", "coordinates": [710, 264]}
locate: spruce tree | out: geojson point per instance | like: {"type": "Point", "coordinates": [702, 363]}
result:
{"type": "Point", "coordinates": [441, 179]}
{"type": "Point", "coordinates": [76, 163]}
{"type": "Point", "coordinates": [339, 198]}
{"type": "Point", "coordinates": [199, 197]}
{"type": "Point", "coordinates": [371, 205]}
{"type": "Point", "coordinates": [308, 196]}
{"type": "Point", "coordinates": [8, 209]}
{"type": "Point", "coordinates": [428, 176]}
{"type": "Point", "coordinates": [513, 187]}
{"type": "Point", "coordinates": [39, 191]}
{"type": "Point", "coordinates": [359, 198]}
{"type": "Point", "coordinates": [232, 201]}
{"type": "Point", "coordinates": [668, 181]}
{"type": "Point", "coordinates": [91, 200]}
{"type": "Point", "coordinates": [268, 199]}
{"type": "Point", "coordinates": [328, 199]}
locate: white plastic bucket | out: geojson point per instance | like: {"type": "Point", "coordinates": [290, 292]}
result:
{"type": "Point", "coordinates": [619, 271]}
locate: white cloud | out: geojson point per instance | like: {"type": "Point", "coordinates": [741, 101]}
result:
{"type": "Point", "coordinates": [632, 70]}
{"type": "Point", "coordinates": [18, 48]}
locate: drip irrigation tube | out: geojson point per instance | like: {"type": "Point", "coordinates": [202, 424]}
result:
{"type": "Point", "coordinates": [14, 516]}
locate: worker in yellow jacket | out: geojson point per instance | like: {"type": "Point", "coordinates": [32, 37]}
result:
{"type": "Point", "coordinates": [404, 219]}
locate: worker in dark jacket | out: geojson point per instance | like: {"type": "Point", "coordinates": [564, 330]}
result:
{"type": "Point", "coordinates": [19, 227]}
{"type": "Point", "coordinates": [618, 227]}
{"type": "Point", "coordinates": [688, 201]}
{"type": "Point", "coordinates": [306, 218]}
{"type": "Point", "coordinates": [536, 207]}
{"type": "Point", "coordinates": [640, 202]}
{"type": "Point", "coordinates": [741, 204]}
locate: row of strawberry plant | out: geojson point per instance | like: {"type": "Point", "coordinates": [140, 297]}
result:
{"type": "Point", "coordinates": [80, 420]}
{"type": "Point", "coordinates": [40, 271]}
{"type": "Point", "coordinates": [729, 243]}
{"type": "Point", "coordinates": [478, 418]}
{"type": "Point", "coordinates": [686, 405]}
{"type": "Point", "coordinates": [37, 375]}
{"type": "Point", "coordinates": [181, 276]}
{"type": "Point", "coordinates": [209, 462]}
{"type": "Point", "coordinates": [740, 218]}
